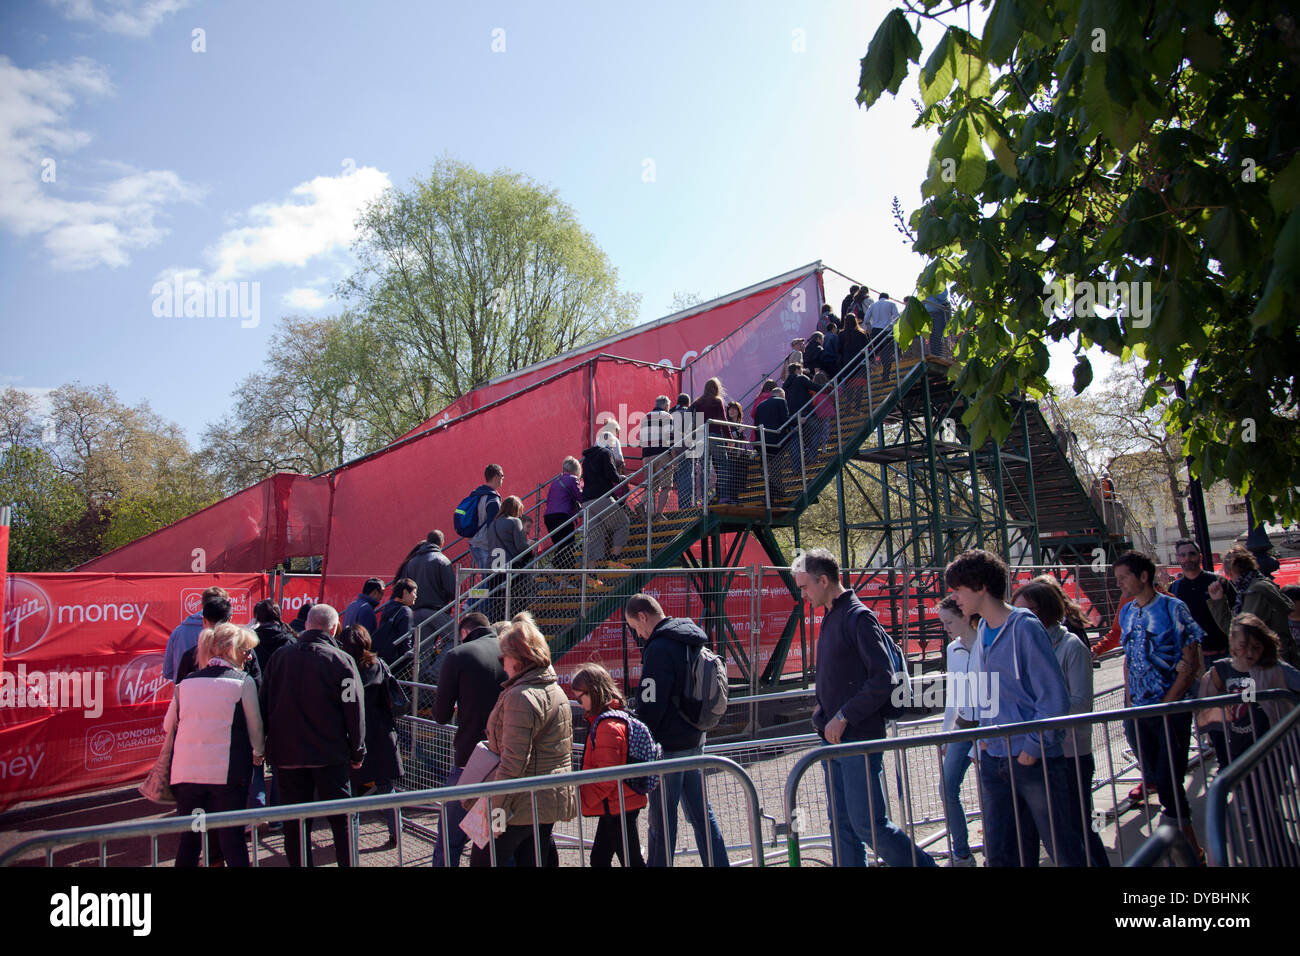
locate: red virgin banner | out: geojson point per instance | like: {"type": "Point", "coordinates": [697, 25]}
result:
{"type": "Point", "coordinates": [82, 694]}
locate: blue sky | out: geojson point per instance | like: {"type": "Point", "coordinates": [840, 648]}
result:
{"type": "Point", "coordinates": [248, 161]}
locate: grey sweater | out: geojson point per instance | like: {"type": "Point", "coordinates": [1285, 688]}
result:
{"type": "Point", "coordinates": [1076, 663]}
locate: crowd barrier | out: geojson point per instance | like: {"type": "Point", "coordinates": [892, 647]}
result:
{"type": "Point", "coordinates": [1254, 803]}
{"type": "Point", "coordinates": [759, 787]}
{"type": "Point", "coordinates": [799, 796]}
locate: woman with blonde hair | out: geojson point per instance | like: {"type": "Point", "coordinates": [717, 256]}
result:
{"type": "Point", "coordinates": [219, 739]}
{"type": "Point", "coordinates": [531, 730]}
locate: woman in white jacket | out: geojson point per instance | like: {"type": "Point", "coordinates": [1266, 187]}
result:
{"type": "Point", "coordinates": [959, 714]}
{"type": "Point", "coordinates": [219, 739]}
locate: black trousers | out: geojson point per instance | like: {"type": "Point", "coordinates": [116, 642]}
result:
{"type": "Point", "coordinates": [1164, 767]}
{"type": "Point", "coordinates": [211, 798]}
{"type": "Point", "coordinates": [1079, 774]}
{"type": "Point", "coordinates": [305, 785]}
{"type": "Point", "coordinates": [608, 841]}
{"type": "Point", "coordinates": [516, 845]}
{"type": "Point", "coordinates": [564, 543]}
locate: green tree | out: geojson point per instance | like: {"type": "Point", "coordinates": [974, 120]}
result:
{"type": "Point", "coordinates": [305, 410]}
{"type": "Point", "coordinates": [469, 275]}
{"type": "Point", "coordinates": [1149, 143]}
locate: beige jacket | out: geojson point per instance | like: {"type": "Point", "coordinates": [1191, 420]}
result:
{"type": "Point", "coordinates": [531, 727]}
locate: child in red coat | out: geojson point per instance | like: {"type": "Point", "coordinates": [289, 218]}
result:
{"type": "Point", "coordinates": [596, 691]}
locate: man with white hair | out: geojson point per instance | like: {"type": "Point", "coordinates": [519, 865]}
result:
{"type": "Point", "coordinates": [313, 706]}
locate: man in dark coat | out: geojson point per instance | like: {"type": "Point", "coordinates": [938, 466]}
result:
{"type": "Point", "coordinates": [395, 621]}
{"type": "Point", "coordinates": [468, 685]}
{"type": "Point", "coordinates": [362, 609]}
{"type": "Point", "coordinates": [771, 416]}
{"type": "Point", "coordinates": [314, 708]}
{"type": "Point", "coordinates": [668, 647]}
{"type": "Point", "coordinates": [798, 389]}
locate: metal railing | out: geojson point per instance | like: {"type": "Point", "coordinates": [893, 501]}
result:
{"type": "Point", "coordinates": [1253, 808]}
{"type": "Point", "coordinates": [353, 807]}
{"type": "Point", "coordinates": [919, 831]}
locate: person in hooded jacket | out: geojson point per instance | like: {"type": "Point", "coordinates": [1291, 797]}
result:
{"type": "Point", "coordinates": [385, 699]}
{"type": "Point", "coordinates": [531, 729]}
{"type": "Point", "coordinates": [299, 622]}
{"type": "Point", "coordinates": [668, 645]}
{"type": "Point", "coordinates": [606, 746]}
{"type": "Point", "coordinates": [1072, 653]}
{"type": "Point", "coordinates": [1013, 645]}
{"type": "Point", "coordinates": [433, 574]}
{"type": "Point", "coordinates": [396, 619]}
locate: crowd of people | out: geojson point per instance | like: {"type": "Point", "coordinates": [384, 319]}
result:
{"type": "Point", "coordinates": [320, 707]}
{"type": "Point", "coordinates": [1026, 652]}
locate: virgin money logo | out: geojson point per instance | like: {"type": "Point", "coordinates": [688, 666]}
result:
{"type": "Point", "coordinates": [141, 681]}
{"type": "Point", "coordinates": [27, 616]}
{"type": "Point", "coordinates": [240, 608]}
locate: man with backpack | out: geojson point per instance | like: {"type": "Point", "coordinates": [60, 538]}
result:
{"type": "Point", "coordinates": [682, 692]}
{"type": "Point", "coordinates": [856, 666]}
{"type": "Point", "coordinates": [474, 516]}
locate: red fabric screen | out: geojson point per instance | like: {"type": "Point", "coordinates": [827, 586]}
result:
{"type": "Point", "coordinates": [109, 630]}
{"type": "Point", "coordinates": [676, 343]}
{"type": "Point", "coordinates": [279, 517]}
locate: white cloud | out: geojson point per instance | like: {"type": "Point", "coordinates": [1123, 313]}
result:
{"type": "Point", "coordinates": [317, 219]}
{"type": "Point", "coordinates": [133, 18]}
{"type": "Point", "coordinates": [308, 300]}
{"type": "Point", "coordinates": [120, 214]}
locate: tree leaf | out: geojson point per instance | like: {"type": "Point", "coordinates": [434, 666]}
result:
{"type": "Point", "coordinates": [885, 65]}
{"type": "Point", "coordinates": [1002, 31]}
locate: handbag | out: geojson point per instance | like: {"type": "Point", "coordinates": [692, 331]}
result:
{"type": "Point", "coordinates": [157, 787]}
{"type": "Point", "coordinates": [480, 766]}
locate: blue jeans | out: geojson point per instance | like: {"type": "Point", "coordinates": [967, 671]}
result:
{"type": "Point", "coordinates": [1043, 809]}
{"type": "Point", "coordinates": [672, 787]}
{"type": "Point", "coordinates": [449, 827]}
{"type": "Point", "coordinates": [858, 818]}
{"type": "Point", "coordinates": [956, 761]}
{"type": "Point", "coordinates": [685, 479]}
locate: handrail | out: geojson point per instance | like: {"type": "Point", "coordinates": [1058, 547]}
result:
{"type": "Point", "coordinates": [1216, 801]}
{"type": "Point", "coordinates": [393, 801]}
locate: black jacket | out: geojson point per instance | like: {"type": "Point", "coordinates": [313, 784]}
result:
{"type": "Point", "coordinates": [382, 762]}
{"type": "Point", "coordinates": [771, 416]}
{"type": "Point", "coordinates": [854, 670]}
{"type": "Point", "coordinates": [812, 356]}
{"type": "Point", "coordinates": [434, 577]}
{"type": "Point", "coordinates": [395, 621]}
{"type": "Point", "coordinates": [599, 476]}
{"type": "Point", "coordinates": [664, 662]}
{"type": "Point", "coordinates": [852, 342]}
{"type": "Point", "coordinates": [798, 392]}
{"type": "Point", "coordinates": [313, 705]}
{"type": "Point", "coordinates": [470, 681]}
{"type": "Point", "coordinates": [191, 657]}
{"type": "Point", "coordinates": [270, 638]}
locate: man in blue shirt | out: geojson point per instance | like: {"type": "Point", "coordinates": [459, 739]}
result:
{"type": "Point", "coordinates": [362, 610]}
{"type": "Point", "coordinates": [1162, 654]}
{"type": "Point", "coordinates": [1024, 776]}
{"type": "Point", "coordinates": [186, 635]}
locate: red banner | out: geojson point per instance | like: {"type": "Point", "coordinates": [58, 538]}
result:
{"type": "Point", "coordinates": [82, 694]}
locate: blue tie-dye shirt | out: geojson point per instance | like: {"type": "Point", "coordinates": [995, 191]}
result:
{"type": "Point", "coordinates": [1153, 640]}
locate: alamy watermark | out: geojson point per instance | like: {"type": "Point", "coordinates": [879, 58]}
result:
{"type": "Point", "coordinates": [61, 690]}
{"type": "Point", "coordinates": [1082, 296]}
{"type": "Point", "coordinates": [180, 298]}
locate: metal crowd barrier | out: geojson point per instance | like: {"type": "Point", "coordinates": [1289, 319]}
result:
{"type": "Point", "coordinates": [353, 807]}
{"type": "Point", "coordinates": [1253, 808]}
{"type": "Point", "coordinates": [905, 750]}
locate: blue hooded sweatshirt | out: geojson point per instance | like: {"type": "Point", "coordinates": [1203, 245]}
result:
{"type": "Point", "coordinates": [1030, 684]}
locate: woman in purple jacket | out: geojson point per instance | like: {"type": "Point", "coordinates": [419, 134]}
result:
{"type": "Point", "coordinates": [563, 501]}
